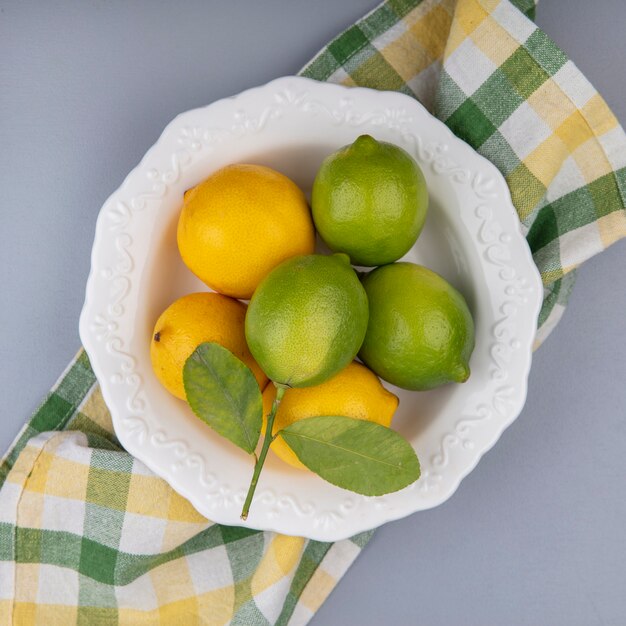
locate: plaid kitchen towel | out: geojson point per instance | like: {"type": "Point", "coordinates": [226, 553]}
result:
{"type": "Point", "coordinates": [89, 535]}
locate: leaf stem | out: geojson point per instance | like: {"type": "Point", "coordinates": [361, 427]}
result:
{"type": "Point", "coordinates": [280, 391]}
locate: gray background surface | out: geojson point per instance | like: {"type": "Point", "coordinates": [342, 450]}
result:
{"type": "Point", "coordinates": [535, 535]}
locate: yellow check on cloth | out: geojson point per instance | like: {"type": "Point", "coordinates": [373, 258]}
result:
{"type": "Point", "coordinates": [88, 535]}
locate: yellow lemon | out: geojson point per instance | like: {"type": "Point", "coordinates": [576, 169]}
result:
{"type": "Point", "coordinates": [354, 392]}
{"type": "Point", "coordinates": [239, 224]}
{"type": "Point", "coordinates": [190, 321]}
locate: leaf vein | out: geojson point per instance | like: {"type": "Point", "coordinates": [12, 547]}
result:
{"type": "Point", "coordinates": [348, 450]}
{"type": "Point", "coordinates": [230, 399]}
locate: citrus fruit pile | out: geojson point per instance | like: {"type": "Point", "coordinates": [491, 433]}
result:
{"type": "Point", "coordinates": [247, 232]}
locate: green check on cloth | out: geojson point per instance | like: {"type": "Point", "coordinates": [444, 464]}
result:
{"type": "Point", "coordinates": [88, 535]}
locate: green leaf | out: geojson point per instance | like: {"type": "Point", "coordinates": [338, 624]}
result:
{"type": "Point", "coordinates": [354, 454]}
{"type": "Point", "coordinates": [223, 392]}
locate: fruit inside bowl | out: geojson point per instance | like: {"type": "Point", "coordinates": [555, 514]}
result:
{"type": "Point", "coordinates": [246, 232]}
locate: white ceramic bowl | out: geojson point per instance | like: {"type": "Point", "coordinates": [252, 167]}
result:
{"type": "Point", "coordinates": [472, 237]}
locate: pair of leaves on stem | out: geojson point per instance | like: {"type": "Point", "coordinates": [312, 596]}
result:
{"type": "Point", "coordinates": [357, 455]}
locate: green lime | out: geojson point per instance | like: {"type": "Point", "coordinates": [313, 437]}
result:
{"type": "Point", "coordinates": [307, 319]}
{"type": "Point", "coordinates": [420, 333]}
{"type": "Point", "coordinates": [370, 200]}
